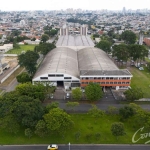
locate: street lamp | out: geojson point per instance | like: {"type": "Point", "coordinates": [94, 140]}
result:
{"type": "Point", "coordinates": [69, 145]}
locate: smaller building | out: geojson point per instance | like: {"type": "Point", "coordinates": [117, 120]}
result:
{"type": "Point", "coordinates": [147, 41]}
{"type": "Point", "coordinates": [6, 47]}
{"type": "Point", "coordinates": [36, 42]}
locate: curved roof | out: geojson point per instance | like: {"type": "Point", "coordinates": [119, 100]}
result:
{"type": "Point", "coordinates": [94, 59]}
{"type": "Point", "coordinates": [59, 60]}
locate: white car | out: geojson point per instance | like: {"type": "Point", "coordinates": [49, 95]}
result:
{"type": "Point", "coordinates": [141, 68]}
{"type": "Point", "coordinates": [52, 147]}
{"type": "Point", "coordinates": [67, 95]}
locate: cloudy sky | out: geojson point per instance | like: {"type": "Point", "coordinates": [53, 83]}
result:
{"type": "Point", "coordinates": [64, 4]}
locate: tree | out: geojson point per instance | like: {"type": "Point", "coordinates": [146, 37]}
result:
{"type": "Point", "coordinates": [24, 77]}
{"type": "Point", "coordinates": [36, 91]}
{"type": "Point", "coordinates": [148, 66]}
{"type": "Point", "coordinates": [29, 60]}
{"type": "Point", "coordinates": [51, 106]}
{"type": "Point", "coordinates": [41, 129]}
{"type": "Point", "coordinates": [77, 94]}
{"type": "Point", "coordinates": [121, 52]}
{"type": "Point", "coordinates": [28, 132]}
{"type": "Point", "coordinates": [138, 52]}
{"type": "Point", "coordinates": [126, 112]}
{"type": "Point", "coordinates": [129, 37]}
{"type": "Point", "coordinates": [6, 103]}
{"type": "Point", "coordinates": [95, 112]}
{"type": "Point", "coordinates": [117, 129]}
{"type": "Point", "coordinates": [28, 111]}
{"type": "Point", "coordinates": [112, 110]}
{"type": "Point", "coordinates": [133, 94]}
{"type": "Point", "coordinates": [58, 121]}
{"type": "Point", "coordinates": [44, 48]}
{"type": "Point", "coordinates": [72, 104]}
{"type": "Point", "coordinates": [104, 45]}
{"type": "Point", "coordinates": [93, 91]}
{"type": "Point", "coordinates": [10, 124]}
{"type": "Point", "coordinates": [44, 38]}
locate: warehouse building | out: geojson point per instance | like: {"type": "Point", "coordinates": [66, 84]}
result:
{"type": "Point", "coordinates": [64, 66]}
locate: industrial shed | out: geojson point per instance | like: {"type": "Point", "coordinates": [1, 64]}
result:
{"type": "Point", "coordinates": [66, 67]}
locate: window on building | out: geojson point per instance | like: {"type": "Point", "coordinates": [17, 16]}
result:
{"type": "Point", "coordinates": [86, 78]}
{"type": "Point", "coordinates": [43, 77]}
{"type": "Point", "coordinates": [111, 78]}
{"type": "Point", "coordinates": [91, 78]}
{"type": "Point", "coordinates": [119, 82]}
{"type": "Point", "coordinates": [107, 78]}
{"type": "Point", "coordinates": [107, 82]}
{"type": "Point", "coordinates": [99, 78]}
{"type": "Point", "coordinates": [95, 78]}
{"type": "Point", "coordinates": [111, 82]}
{"type": "Point", "coordinates": [102, 82]}
{"type": "Point", "coordinates": [67, 77]}
{"type": "Point", "coordinates": [128, 77]}
{"type": "Point", "coordinates": [115, 82]}
{"type": "Point", "coordinates": [51, 75]}
{"type": "Point", "coordinates": [103, 78]}
{"type": "Point", "coordinates": [127, 82]}
{"type": "Point", "coordinates": [115, 78]}
{"type": "Point", "coordinates": [59, 75]}
{"type": "Point", "coordinates": [123, 82]}
{"type": "Point", "coordinates": [75, 81]}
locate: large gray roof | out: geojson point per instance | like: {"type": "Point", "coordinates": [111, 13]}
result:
{"type": "Point", "coordinates": [59, 60]}
{"type": "Point", "coordinates": [87, 61]}
{"type": "Point", "coordinates": [122, 72]}
{"type": "Point", "coordinates": [74, 40]}
{"type": "Point", "coordinates": [94, 59]}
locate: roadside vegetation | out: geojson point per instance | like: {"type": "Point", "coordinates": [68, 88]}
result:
{"type": "Point", "coordinates": [95, 127]}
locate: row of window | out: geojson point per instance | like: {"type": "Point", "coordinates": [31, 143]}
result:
{"type": "Point", "coordinates": [108, 82]}
{"type": "Point", "coordinates": [57, 76]}
{"type": "Point", "coordinates": [110, 78]}
{"type": "Point", "coordinates": [56, 81]}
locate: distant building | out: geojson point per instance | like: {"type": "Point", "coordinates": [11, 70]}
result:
{"type": "Point", "coordinates": [6, 47]}
{"type": "Point", "coordinates": [36, 42]}
{"type": "Point", "coordinates": [64, 30]}
{"type": "Point", "coordinates": [147, 41]}
{"type": "Point", "coordinates": [83, 30]}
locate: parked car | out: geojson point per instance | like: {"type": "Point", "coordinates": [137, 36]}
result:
{"type": "Point", "coordinates": [52, 147]}
{"type": "Point", "coordinates": [83, 90]}
{"type": "Point", "coordinates": [67, 95]}
{"type": "Point", "coordinates": [141, 68]}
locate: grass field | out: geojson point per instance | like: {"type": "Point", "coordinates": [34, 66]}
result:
{"type": "Point", "coordinates": [85, 125]}
{"type": "Point", "coordinates": [141, 79]}
{"type": "Point", "coordinates": [22, 48]}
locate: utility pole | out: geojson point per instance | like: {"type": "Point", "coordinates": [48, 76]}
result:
{"type": "Point", "coordinates": [69, 145]}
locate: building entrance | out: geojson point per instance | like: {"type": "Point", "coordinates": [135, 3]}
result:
{"type": "Point", "coordinates": [60, 84]}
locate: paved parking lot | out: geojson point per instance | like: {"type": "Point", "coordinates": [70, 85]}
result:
{"type": "Point", "coordinates": [60, 94]}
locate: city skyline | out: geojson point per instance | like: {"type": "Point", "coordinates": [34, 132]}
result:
{"type": "Point", "coordinates": [16, 5]}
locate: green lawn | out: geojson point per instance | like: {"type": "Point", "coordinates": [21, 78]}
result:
{"type": "Point", "coordinates": [83, 124]}
{"type": "Point", "coordinates": [141, 79]}
{"type": "Point", "coordinates": [147, 59]}
{"type": "Point", "coordinates": [22, 48]}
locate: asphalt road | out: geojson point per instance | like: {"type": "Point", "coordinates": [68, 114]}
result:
{"type": "Point", "coordinates": [12, 86]}
{"type": "Point", "coordinates": [80, 147]}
